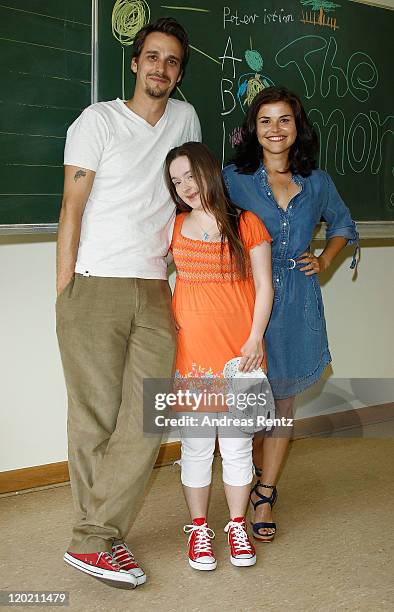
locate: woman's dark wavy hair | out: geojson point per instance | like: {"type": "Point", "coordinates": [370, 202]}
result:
{"type": "Point", "coordinates": [302, 154]}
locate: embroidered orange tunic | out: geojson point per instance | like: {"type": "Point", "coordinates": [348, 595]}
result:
{"type": "Point", "coordinates": [214, 315]}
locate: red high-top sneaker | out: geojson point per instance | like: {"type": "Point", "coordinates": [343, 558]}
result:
{"type": "Point", "coordinates": [241, 549]}
{"type": "Point", "coordinates": [201, 555]}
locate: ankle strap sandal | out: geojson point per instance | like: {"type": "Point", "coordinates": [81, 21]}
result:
{"type": "Point", "coordinates": [263, 499]}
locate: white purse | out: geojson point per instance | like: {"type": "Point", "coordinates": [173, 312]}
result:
{"type": "Point", "coordinates": [249, 397]}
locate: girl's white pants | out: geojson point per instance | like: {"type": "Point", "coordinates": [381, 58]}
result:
{"type": "Point", "coordinates": [198, 447]}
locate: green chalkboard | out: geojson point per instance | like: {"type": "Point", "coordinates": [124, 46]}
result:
{"type": "Point", "coordinates": [336, 56]}
{"type": "Point", "coordinates": [45, 51]}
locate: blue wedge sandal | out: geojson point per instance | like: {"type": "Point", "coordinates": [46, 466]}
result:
{"type": "Point", "coordinates": [263, 499]}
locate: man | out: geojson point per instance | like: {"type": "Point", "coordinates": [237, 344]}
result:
{"type": "Point", "coordinates": [114, 320]}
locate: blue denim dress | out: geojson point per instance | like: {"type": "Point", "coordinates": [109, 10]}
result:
{"type": "Point", "coordinates": [296, 337]}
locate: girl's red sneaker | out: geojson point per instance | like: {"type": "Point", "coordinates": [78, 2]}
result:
{"type": "Point", "coordinates": [242, 551]}
{"type": "Point", "coordinates": [201, 556]}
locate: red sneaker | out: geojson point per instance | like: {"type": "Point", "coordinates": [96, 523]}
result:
{"type": "Point", "coordinates": [100, 565]}
{"type": "Point", "coordinates": [241, 549]}
{"type": "Point", "coordinates": [201, 555]}
{"type": "Point", "coordinates": [123, 556]}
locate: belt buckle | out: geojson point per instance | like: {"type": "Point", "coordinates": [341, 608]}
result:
{"type": "Point", "coordinates": [293, 262]}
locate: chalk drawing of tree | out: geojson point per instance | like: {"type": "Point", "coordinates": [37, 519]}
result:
{"type": "Point", "coordinates": [128, 17]}
{"type": "Point", "coordinates": [323, 6]}
{"type": "Point", "coordinates": [317, 5]}
{"type": "Point", "coordinates": [320, 5]}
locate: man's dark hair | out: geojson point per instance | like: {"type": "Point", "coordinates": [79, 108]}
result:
{"type": "Point", "coordinates": [165, 25]}
{"type": "Point", "coordinates": [303, 153]}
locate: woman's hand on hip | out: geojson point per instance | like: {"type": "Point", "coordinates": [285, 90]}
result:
{"type": "Point", "coordinates": [252, 354]}
{"type": "Point", "coordinates": [314, 265]}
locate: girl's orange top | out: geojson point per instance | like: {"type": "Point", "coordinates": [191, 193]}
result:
{"type": "Point", "coordinates": [214, 315]}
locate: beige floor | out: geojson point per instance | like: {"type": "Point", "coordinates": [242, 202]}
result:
{"type": "Point", "coordinates": [334, 549]}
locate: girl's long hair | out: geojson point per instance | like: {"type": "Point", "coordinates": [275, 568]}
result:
{"type": "Point", "coordinates": [303, 152]}
{"type": "Point", "coordinates": [214, 196]}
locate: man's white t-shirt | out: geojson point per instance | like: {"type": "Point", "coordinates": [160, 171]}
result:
{"type": "Point", "coordinates": [129, 216]}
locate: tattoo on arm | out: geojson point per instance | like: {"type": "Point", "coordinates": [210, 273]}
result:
{"type": "Point", "coordinates": [79, 174]}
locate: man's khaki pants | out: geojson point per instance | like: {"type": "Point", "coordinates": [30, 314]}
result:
{"type": "Point", "coordinates": [113, 333]}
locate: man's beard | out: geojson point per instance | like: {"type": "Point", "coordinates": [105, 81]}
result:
{"type": "Point", "coordinates": [156, 92]}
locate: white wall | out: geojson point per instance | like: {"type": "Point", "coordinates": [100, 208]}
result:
{"type": "Point", "coordinates": [32, 394]}
{"type": "Point", "coordinates": [359, 314]}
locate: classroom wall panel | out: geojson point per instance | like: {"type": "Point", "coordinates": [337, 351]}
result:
{"type": "Point", "coordinates": [33, 402]}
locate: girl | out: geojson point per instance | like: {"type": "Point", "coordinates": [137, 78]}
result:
{"type": "Point", "coordinates": [274, 175]}
{"type": "Point", "coordinates": [222, 303]}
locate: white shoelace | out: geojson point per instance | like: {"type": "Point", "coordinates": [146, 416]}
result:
{"type": "Point", "coordinates": [239, 537]}
{"type": "Point", "coordinates": [204, 535]}
{"type": "Point", "coordinates": [109, 559]}
{"type": "Point", "coordinates": [118, 552]}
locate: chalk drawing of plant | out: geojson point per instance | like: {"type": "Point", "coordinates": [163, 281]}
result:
{"type": "Point", "coordinates": [323, 6]}
{"type": "Point", "coordinates": [250, 84]}
{"type": "Point", "coordinates": [128, 17]}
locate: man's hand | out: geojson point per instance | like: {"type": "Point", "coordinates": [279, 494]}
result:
{"type": "Point", "coordinates": [61, 285]}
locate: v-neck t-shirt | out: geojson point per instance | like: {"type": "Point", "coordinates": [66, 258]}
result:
{"type": "Point", "coordinates": [129, 216]}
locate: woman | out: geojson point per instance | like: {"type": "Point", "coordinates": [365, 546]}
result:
{"type": "Point", "coordinates": [222, 303]}
{"type": "Point", "coordinates": [274, 175]}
